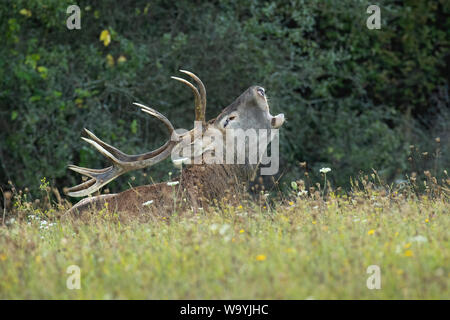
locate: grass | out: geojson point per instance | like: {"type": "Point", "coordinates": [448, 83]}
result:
{"type": "Point", "coordinates": [298, 248]}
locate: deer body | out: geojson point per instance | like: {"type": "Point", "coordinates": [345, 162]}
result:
{"type": "Point", "coordinates": [199, 183]}
{"type": "Point", "coordinates": [196, 188]}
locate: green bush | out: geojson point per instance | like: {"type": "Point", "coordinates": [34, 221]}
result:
{"type": "Point", "coordinates": [355, 98]}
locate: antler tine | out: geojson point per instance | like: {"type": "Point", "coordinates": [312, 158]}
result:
{"type": "Point", "coordinates": [114, 151]}
{"type": "Point", "coordinates": [160, 117]}
{"type": "Point", "coordinates": [202, 89]}
{"type": "Point", "coordinates": [95, 183]}
{"type": "Point", "coordinates": [121, 162]}
{"type": "Point", "coordinates": [199, 114]}
{"type": "Point", "coordinates": [86, 171]}
{"type": "Point", "coordinates": [124, 157]}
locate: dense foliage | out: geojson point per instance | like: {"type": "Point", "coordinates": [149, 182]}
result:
{"type": "Point", "coordinates": [355, 98]}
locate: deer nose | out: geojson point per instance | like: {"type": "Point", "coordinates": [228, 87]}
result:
{"type": "Point", "coordinates": [277, 121]}
{"type": "Point", "coordinates": [261, 92]}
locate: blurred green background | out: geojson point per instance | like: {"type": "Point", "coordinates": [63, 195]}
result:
{"type": "Point", "coordinates": [355, 98]}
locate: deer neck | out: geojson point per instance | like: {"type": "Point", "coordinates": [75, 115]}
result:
{"type": "Point", "coordinates": [215, 181]}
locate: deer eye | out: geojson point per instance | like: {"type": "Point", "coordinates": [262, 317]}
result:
{"type": "Point", "coordinates": [228, 120]}
{"type": "Point", "coordinates": [261, 92]}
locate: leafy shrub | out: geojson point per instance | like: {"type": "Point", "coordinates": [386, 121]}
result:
{"type": "Point", "coordinates": [355, 99]}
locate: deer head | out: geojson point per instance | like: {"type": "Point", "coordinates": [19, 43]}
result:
{"type": "Point", "coordinates": [248, 111]}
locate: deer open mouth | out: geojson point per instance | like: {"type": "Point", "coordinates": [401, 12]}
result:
{"type": "Point", "coordinates": [277, 121]}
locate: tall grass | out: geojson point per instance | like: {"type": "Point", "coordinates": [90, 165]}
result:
{"type": "Point", "coordinates": [301, 246]}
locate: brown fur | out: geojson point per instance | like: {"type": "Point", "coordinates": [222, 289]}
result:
{"type": "Point", "coordinates": [199, 187]}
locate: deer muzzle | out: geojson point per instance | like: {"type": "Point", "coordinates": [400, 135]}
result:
{"type": "Point", "coordinates": [277, 121]}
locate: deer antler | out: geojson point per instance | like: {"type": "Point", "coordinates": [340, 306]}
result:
{"type": "Point", "coordinates": [121, 162]}
{"type": "Point", "coordinates": [200, 97]}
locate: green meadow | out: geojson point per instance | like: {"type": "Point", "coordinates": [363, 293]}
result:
{"type": "Point", "coordinates": [307, 245]}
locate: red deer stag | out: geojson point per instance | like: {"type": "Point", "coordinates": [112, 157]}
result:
{"type": "Point", "coordinates": [200, 181]}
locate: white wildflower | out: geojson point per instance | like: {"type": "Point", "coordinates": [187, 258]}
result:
{"type": "Point", "coordinates": [242, 214]}
{"type": "Point", "coordinates": [224, 229]}
{"type": "Point", "coordinates": [377, 205]}
{"type": "Point", "coordinates": [263, 196]}
{"type": "Point", "coordinates": [325, 170]}
{"type": "Point", "coordinates": [418, 238]}
{"type": "Point", "coordinates": [302, 193]}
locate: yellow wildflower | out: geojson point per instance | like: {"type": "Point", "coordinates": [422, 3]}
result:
{"type": "Point", "coordinates": [408, 253]}
{"type": "Point", "coordinates": [371, 232]}
{"type": "Point", "coordinates": [241, 231]}
{"type": "Point", "coordinates": [261, 257]}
